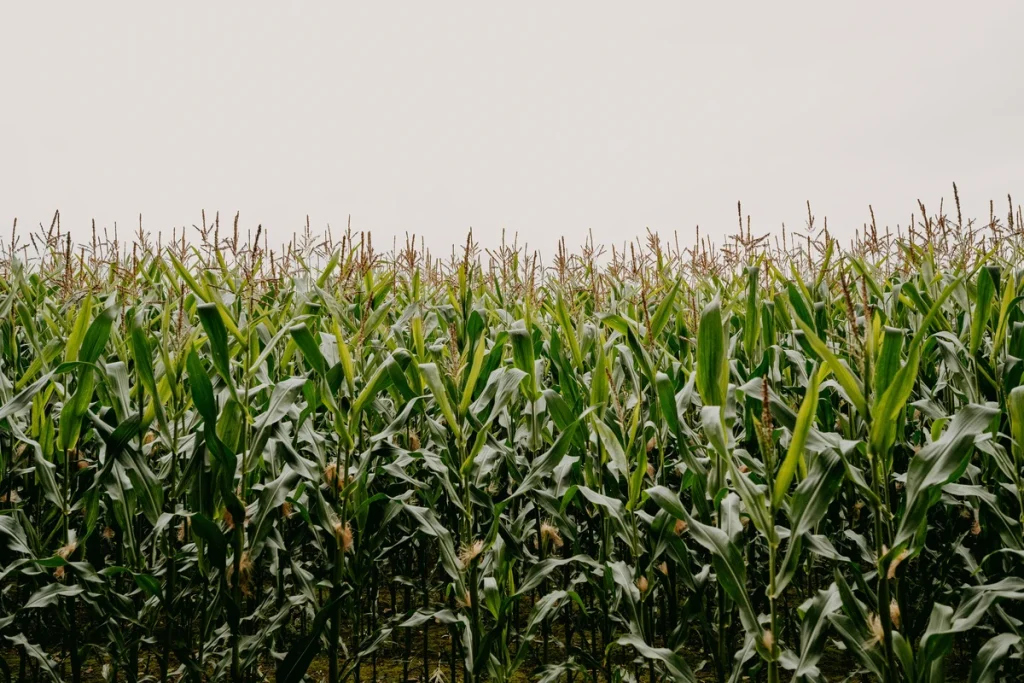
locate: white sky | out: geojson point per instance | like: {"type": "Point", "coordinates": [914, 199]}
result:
{"type": "Point", "coordinates": [542, 118]}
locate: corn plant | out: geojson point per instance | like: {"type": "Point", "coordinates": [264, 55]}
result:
{"type": "Point", "coordinates": [803, 462]}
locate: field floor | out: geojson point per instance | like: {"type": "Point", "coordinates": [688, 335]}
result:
{"type": "Point", "coordinates": [389, 664]}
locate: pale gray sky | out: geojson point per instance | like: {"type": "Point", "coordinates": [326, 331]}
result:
{"type": "Point", "coordinates": [543, 118]}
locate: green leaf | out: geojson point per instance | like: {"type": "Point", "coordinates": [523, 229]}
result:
{"type": "Point", "coordinates": [795, 454]}
{"type": "Point", "coordinates": [44, 468]}
{"type": "Point", "coordinates": [97, 335]}
{"type": "Point", "coordinates": [75, 408]}
{"type": "Point", "coordinates": [545, 464]}
{"type": "Point", "coordinates": [667, 401]}
{"type": "Point", "coordinates": [663, 312]}
{"type": "Point", "coordinates": [1005, 308]}
{"type": "Point", "coordinates": [755, 503]}
{"type": "Point", "coordinates": [991, 656]}
{"type": "Point", "coordinates": [149, 584]}
{"type": "Point", "coordinates": [476, 365]}
{"type": "Point", "coordinates": [202, 389]}
{"type": "Point", "coordinates": [752, 320]}
{"type": "Point", "coordinates": [677, 668]}
{"type": "Point", "coordinates": [217, 334]}
{"type": "Point", "coordinates": [600, 389]}
{"type": "Point", "coordinates": [50, 594]}
{"type": "Point", "coordinates": [611, 444]}
{"type": "Point", "coordinates": [730, 568]}
{"type": "Point", "coordinates": [24, 398]}
{"type": "Point", "coordinates": [842, 373]}
{"type": "Point", "coordinates": [522, 356]}
{"type": "Point", "coordinates": [74, 341]}
{"type": "Point", "coordinates": [73, 412]}
{"type": "Point", "coordinates": [905, 654]}
{"type": "Point", "coordinates": [565, 323]}
{"type": "Point", "coordinates": [982, 311]}
{"type": "Point", "coordinates": [282, 402]}
{"type": "Point", "coordinates": [939, 463]}
{"type": "Point", "coordinates": [712, 364]}
{"type": "Point", "coordinates": [217, 547]}
{"type": "Point", "coordinates": [975, 603]}
{"type": "Point", "coordinates": [142, 355]}
{"type": "Point", "coordinates": [1015, 408]}
{"type": "Point", "coordinates": [195, 285]}
{"type": "Point", "coordinates": [272, 497]}
{"type": "Point", "coordinates": [146, 485]}
{"type": "Point", "coordinates": [808, 506]}
{"type": "Point", "coordinates": [296, 663]}
{"type": "Point", "coordinates": [432, 377]}
{"type": "Point", "coordinates": [431, 526]}
{"type": "Point", "coordinates": [39, 654]}
{"type": "Point", "coordinates": [382, 378]}
{"type": "Point", "coordinates": [799, 305]}
{"type": "Point", "coordinates": [813, 630]}
{"type": "Point", "coordinates": [888, 362]}
{"type": "Point", "coordinates": [892, 400]}
{"type": "Point", "coordinates": [310, 350]}
{"type": "Point", "coordinates": [543, 569]}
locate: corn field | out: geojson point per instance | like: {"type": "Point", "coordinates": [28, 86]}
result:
{"type": "Point", "coordinates": [762, 460]}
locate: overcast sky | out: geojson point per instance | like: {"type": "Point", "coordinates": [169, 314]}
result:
{"type": "Point", "coordinates": [542, 118]}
